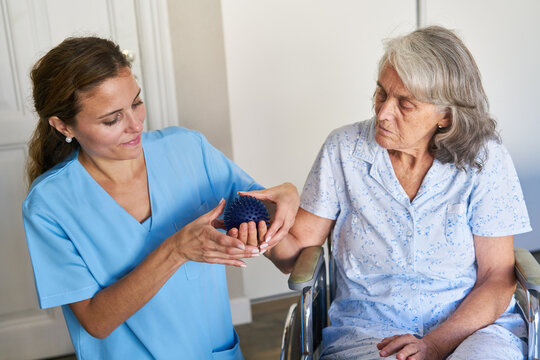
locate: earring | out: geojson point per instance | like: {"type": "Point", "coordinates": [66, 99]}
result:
{"type": "Point", "coordinates": [68, 139]}
{"type": "Point", "coordinates": [440, 127]}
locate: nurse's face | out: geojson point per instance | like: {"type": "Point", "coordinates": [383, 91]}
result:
{"type": "Point", "coordinates": [110, 122]}
{"type": "Point", "coordinates": [403, 122]}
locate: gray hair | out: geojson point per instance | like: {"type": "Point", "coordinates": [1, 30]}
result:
{"type": "Point", "coordinates": [436, 67]}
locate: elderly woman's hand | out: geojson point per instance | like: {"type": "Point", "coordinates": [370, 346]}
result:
{"type": "Point", "coordinates": [408, 347]}
{"type": "Point", "coordinates": [250, 233]}
{"type": "Point", "coordinates": [200, 241]}
{"type": "Point", "coordinates": [282, 202]}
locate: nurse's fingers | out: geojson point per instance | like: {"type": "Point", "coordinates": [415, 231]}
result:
{"type": "Point", "coordinates": [213, 214]}
{"type": "Point", "coordinates": [219, 256]}
{"type": "Point", "coordinates": [229, 245]}
{"type": "Point", "coordinates": [237, 263]}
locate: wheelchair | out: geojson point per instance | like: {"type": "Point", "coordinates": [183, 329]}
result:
{"type": "Point", "coordinates": [302, 334]}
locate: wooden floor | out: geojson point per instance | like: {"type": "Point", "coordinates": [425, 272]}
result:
{"type": "Point", "coordinates": [261, 339]}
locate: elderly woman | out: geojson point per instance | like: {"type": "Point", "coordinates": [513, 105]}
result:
{"type": "Point", "coordinates": [121, 223]}
{"type": "Point", "coordinates": [424, 201]}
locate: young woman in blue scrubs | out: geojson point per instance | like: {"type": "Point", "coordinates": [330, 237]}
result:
{"type": "Point", "coordinates": [121, 224]}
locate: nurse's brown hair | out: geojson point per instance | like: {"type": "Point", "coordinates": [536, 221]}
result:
{"type": "Point", "coordinates": [75, 66]}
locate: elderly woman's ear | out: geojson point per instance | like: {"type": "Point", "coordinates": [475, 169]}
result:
{"type": "Point", "coordinates": [447, 119]}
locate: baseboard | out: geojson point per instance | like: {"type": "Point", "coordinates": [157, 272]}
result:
{"type": "Point", "coordinates": [240, 310]}
{"type": "Point", "coordinates": [275, 297]}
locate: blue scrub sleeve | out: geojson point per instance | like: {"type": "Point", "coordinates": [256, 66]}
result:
{"type": "Point", "coordinates": [60, 273]}
{"type": "Point", "coordinates": [225, 177]}
{"type": "Point", "coordinates": [497, 207]}
{"type": "Point", "coordinates": [319, 195]}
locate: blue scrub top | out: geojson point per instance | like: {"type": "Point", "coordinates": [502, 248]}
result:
{"type": "Point", "coordinates": [81, 241]}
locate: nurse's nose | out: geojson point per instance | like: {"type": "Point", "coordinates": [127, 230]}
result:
{"type": "Point", "coordinates": [135, 124]}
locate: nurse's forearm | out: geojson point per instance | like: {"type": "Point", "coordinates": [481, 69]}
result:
{"type": "Point", "coordinates": [484, 304]}
{"type": "Point", "coordinates": [112, 306]}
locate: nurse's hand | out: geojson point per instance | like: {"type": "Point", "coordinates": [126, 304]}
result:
{"type": "Point", "coordinates": [251, 234]}
{"type": "Point", "coordinates": [200, 241]}
{"type": "Point", "coordinates": [408, 347]}
{"type": "Point", "coordinates": [283, 202]}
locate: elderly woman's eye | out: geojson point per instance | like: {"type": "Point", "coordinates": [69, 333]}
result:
{"type": "Point", "coordinates": [380, 95]}
{"type": "Point", "coordinates": [407, 105]}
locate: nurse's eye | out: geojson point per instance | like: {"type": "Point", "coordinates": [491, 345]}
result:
{"type": "Point", "coordinates": [137, 103]}
{"type": "Point", "coordinates": [114, 120]}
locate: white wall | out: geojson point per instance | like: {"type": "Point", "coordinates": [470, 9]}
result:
{"type": "Point", "coordinates": [504, 39]}
{"type": "Point", "coordinates": [296, 70]}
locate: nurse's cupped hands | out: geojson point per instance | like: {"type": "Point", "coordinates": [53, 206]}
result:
{"type": "Point", "coordinates": [201, 241]}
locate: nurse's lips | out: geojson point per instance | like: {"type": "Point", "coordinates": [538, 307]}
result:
{"type": "Point", "coordinates": [133, 142]}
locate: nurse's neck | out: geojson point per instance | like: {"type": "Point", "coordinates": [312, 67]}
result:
{"type": "Point", "coordinates": [112, 170]}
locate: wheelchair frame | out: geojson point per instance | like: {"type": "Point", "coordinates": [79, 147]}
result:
{"type": "Point", "coordinates": [302, 335]}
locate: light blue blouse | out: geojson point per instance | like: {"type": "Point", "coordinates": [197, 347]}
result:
{"type": "Point", "coordinates": [402, 266]}
{"type": "Point", "coordinates": [81, 241]}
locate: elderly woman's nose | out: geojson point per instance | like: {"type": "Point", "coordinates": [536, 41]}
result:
{"type": "Point", "coordinates": [387, 109]}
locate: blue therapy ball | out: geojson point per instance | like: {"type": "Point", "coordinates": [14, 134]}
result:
{"type": "Point", "coordinates": [245, 209]}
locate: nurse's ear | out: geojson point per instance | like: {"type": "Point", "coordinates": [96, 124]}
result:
{"type": "Point", "coordinates": [61, 126]}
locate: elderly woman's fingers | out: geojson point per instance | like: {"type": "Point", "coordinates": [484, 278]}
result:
{"type": "Point", "coordinates": [243, 232]}
{"type": "Point", "coordinates": [233, 233]}
{"type": "Point", "coordinates": [409, 351]}
{"type": "Point", "coordinates": [398, 344]}
{"type": "Point", "coordinates": [385, 341]}
{"type": "Point", "coordinates": [252, 234]}
{"type": "Point", "coordinates": [261, 232]}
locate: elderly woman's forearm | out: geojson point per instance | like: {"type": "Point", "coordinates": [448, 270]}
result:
{"type": "Point", "coordinates": [480, 308]}
{"type": "Point", "coordinates": [284, 254]}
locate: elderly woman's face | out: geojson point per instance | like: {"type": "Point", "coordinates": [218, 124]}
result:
{"type": "Point", "coordinates": [403, 122]}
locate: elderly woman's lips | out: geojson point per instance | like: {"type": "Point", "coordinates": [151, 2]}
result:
{"type": "Point", "coordinates": [382, 128]}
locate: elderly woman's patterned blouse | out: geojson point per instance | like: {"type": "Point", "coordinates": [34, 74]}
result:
{"type": "Point", "coordinates": [402, 266]}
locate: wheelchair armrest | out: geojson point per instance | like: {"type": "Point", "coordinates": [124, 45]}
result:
{"type": "Point", "coordinates": [306, 268]}
{"type": "Point", "coordinates": [527, 269]}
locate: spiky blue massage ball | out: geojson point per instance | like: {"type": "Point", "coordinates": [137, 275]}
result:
{"type": "Point", "coordinates": [245, 209]}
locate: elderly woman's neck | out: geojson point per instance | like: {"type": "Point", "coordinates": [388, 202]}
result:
{"type": "Point", "coordinates": [410, 169]}
{"type": "Point", "coordinates": [411, 159]}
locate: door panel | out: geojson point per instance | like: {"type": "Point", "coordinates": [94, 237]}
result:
{"type": "Point", "coordinates": [29, 29]}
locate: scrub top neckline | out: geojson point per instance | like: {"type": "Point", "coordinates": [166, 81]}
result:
{"type": "Point", "coordinates": [146, 223]}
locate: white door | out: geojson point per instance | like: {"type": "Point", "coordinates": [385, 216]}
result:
{"type": "Point", "coordinates": [28, 30]}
